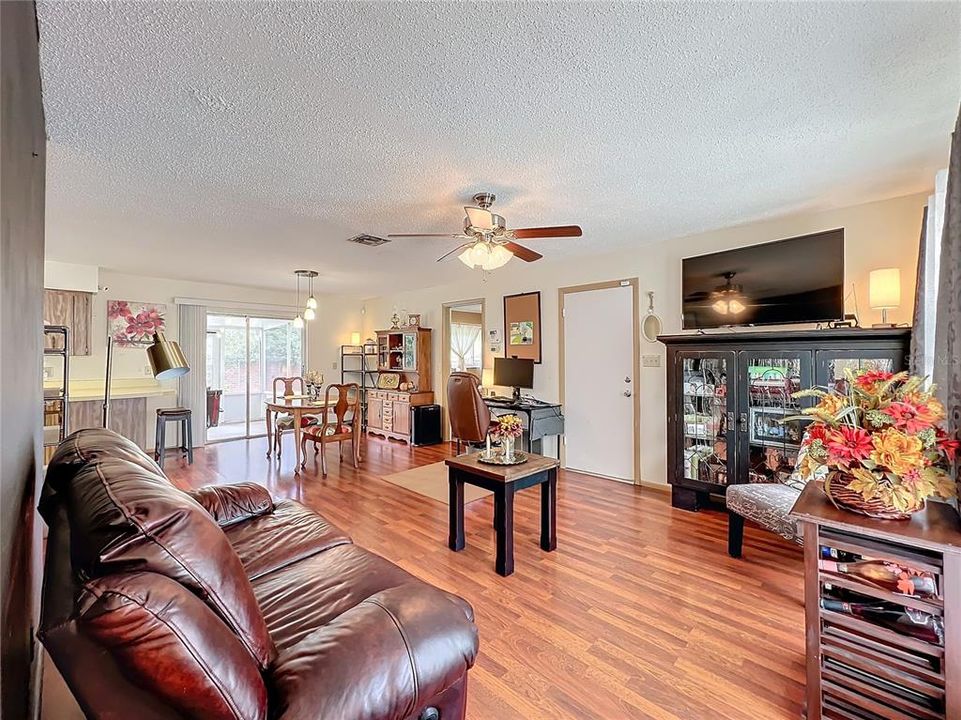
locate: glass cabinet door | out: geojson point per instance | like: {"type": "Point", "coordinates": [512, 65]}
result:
{"type": "Point", "coordinates": [831, 365]}
{"type": "Point", "coordinates": [768, 444]}
{"type": "Point", "coordinates": [410, 351]}
{"type": "Point", "coordinates": [706, 418]}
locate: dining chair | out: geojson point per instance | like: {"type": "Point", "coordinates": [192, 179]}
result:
{"type": "Point", "coordinates": [341, 422]}
{"type": "Point", "coordinates": [284, 421]}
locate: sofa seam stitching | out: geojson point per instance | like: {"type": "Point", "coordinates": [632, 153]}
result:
{"type": "Point", "coordinates": [410, 655]}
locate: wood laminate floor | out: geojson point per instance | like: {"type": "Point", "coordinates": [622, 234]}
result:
{"type": "Point", "coordinates": [639, 613]}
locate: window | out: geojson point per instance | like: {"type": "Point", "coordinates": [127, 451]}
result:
{"type": "Point", "coordinates": [466, 349]}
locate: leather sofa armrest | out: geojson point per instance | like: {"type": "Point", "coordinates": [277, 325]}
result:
{"type": "Point", "coordinates": [396, 651]}
{"type": "Point", "coordinates": [229, 504]}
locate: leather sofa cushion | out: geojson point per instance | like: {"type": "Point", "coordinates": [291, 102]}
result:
{"type": "Point", "coordinates": [123, 518]}
{"type": "Point", "coordinates": [83, 447]}
{"type": "Point", "coordinates": [275, 540]}
{"type": "Point", "coordinates": [171, 644]}
{"type": "Point", "coordinates": [411, 641]}
{"type": "Point", "coordinates": [302, 597]}
{"type": "Point", "coordinates": [229, 504]}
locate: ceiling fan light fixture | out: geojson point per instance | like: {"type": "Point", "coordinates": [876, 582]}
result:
{"type": "Point", "coordinates": [499, 257]}
{"type": "Point", "coordinates": [465, 257]}
{"type": "Point", "coordinates": [480, 253]}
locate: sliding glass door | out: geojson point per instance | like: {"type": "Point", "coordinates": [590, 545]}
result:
{"type": "Point", "coordinates": [244, 355]}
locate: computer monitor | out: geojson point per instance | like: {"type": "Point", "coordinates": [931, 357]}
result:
{"type": "Point", "coordinates": [514, 372]}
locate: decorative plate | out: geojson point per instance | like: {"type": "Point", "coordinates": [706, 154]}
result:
{"type": "Point", "coordinates": [498, 459]}
{"type": "Point", "coordinates": [388, 381]}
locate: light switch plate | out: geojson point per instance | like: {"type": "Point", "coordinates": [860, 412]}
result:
{"type": "Point", "coordinates": [651, 360]}
{"type": "Point", "coordinates": [333, 366]}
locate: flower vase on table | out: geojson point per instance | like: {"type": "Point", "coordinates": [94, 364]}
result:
{"type": "Point", "coordinates": [506, 429]}
{"type": "Point", "coordinates": [878, 444]}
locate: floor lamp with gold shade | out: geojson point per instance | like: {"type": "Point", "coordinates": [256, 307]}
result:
{"type": "Point", "coordinates": [167, 361]}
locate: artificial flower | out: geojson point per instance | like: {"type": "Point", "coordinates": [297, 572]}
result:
{"type": "Point", "coordinates": [912, 417]}
{"type": "Point", "coordinates": [898, 452]}
{"type": "Point", "coordinates": [869, 378]}
{"type": "Point", "coordinates": [849, 443]}
{"type": "Point", "coordinates": [948, 445]}
{"type": "Point", "coordinates": [831, 404]}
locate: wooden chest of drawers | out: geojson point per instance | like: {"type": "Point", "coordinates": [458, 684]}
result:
{"type": "Point", "coordinates": [388, 411]}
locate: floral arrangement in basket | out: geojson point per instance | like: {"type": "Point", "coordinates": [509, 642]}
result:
{"type": "Point", "coordinates": [879, 445]}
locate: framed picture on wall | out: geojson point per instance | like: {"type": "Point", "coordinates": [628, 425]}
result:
{"type": "Point", "coordinates": [522, 326]}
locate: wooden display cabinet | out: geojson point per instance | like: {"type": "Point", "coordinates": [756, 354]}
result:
{"type": "Point", "coordinates": [405, 352]}
{"type": "Point", "coordinates": [727, 395]}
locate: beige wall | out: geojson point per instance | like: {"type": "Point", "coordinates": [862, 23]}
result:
{"type": "Point", "coordinates": [880, 234]}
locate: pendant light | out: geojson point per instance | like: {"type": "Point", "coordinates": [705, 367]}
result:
{"type": "Point", "coordinates": [298, 321]}
{"type": "Point", "coordinates": [309, 311]}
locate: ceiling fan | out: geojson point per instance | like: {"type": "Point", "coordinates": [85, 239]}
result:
{"type": "Point", "coordinates": [487, 241]}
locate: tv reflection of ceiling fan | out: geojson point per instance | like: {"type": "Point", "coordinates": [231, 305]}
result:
{"type": "Point", "coordinates": [488, 242]}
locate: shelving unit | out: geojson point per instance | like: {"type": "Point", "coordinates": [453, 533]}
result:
{"type": "Point", "coordinates": [365, 375]}
{"type": "Point", "coordinates": [903, 663]}
{"type": "Point", "coordinates": [55, 411]}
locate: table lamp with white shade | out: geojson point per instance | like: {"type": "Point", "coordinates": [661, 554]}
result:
{"type": "Point", "coordinates": [884, 292]}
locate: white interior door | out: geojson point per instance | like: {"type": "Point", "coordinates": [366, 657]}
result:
{"type": "Point", "coordinates": [599, 381]}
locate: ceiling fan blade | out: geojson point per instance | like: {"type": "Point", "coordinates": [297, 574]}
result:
{"type": "Point", "coordinates": [548, 232]}
{"type": "Point", "coordinates": [456, 249]}
{"type": "Point", "coordinates": [443, 235]}
{"type": "Point", "coordinates": [525, 254]}
{"type": "Point", "coordinates": [480, 218]}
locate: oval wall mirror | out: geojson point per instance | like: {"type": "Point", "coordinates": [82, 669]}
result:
{"type": "Point", "coordinates": [651, 325]}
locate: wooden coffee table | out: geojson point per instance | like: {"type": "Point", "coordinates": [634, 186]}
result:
{"type": "Point", "coordinates": [503, 481]}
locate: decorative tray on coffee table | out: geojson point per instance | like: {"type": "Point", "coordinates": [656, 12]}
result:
{"type": "Point", "coordinates": [499, 459]}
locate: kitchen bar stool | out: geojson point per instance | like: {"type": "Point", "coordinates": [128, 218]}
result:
{"type": "Point", "coordinates": [177, 414]}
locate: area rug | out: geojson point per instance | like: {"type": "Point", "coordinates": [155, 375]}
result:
{"type": "Point", "coordinates": [431, 481]}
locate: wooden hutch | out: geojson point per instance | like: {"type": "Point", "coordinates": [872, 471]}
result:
{"type": "Point", "coordinates": [404, 352]}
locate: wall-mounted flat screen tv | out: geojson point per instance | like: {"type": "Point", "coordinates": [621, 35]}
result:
{"type": "Point", "coordinates": [798, 280]}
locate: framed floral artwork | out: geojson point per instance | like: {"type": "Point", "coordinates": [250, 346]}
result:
{"type": "Point", "coordinates": [133, 324]}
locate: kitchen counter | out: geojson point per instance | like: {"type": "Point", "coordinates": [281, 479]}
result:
{"type": "Point", "coordinates": [82, 390]}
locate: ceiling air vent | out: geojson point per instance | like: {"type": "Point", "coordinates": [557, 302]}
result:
{"type": "Point", "coordinates": [368, 240]}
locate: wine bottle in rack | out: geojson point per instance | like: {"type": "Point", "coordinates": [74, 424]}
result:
{"type": "Point", "coordinates": [886, 575]}
{"type": "Point", "coordinates": [907, 621]}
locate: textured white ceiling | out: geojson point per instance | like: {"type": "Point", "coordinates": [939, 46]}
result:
{"type": "Point", "coordinates": [237, 141]}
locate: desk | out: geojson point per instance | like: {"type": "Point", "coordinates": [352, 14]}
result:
{"type": "Point", "coordinates": [297, 406]}
{"type": "Point", "coordinates": [543, 420]}
{"type": "Point", "coordinates": [503, 481]}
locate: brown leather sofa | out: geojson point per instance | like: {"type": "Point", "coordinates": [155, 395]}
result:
{"type": "Point", "coordinates": [222, 604]}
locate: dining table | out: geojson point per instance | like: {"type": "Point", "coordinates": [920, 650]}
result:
{"type": "Point", "coordinates": [297, 406]}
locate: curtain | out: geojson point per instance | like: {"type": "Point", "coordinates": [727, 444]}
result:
{"type": "Point", "coordinates": [464, 345]}
{"type": "Point", "coordinates": [919, 323]}
{"type": "Point", "coordinates": [193, 385]}
{"type": "Point", "coordinates": [947, 329]}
